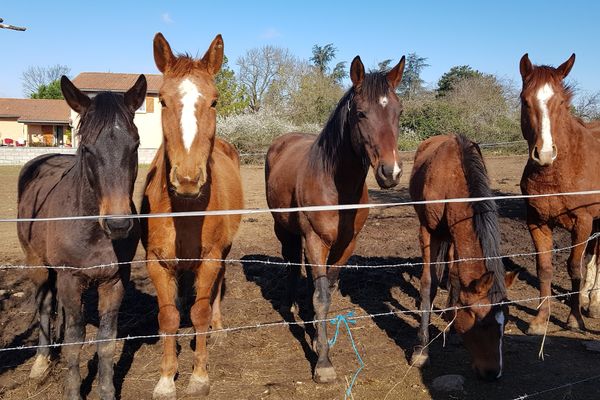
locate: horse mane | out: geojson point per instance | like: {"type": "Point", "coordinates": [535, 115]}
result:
{"type": "Point", "coordinates": [184, 64]}
{"type": "Point", "coordinates": [325, 150]}
{"type": "Point", "coordinates": [485, 213]}
{"type": "Point", "coordinates": [107, 107]}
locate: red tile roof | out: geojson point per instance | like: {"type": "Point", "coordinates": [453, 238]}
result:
{"type": "Point", "coordinates": [108, 81]}
{"type": "Point", "coordinates": [35, 110]}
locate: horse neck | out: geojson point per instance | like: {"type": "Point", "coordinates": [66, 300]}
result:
{"type": "Point", "coordinates": [85, 197]}
{"type": "Point", "coordinates": [344, 167]}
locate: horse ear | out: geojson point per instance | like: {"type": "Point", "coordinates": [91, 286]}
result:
{"type": "Point", "coordinates": [484, 284]}
{"type": "Point", "coordinates": [525, 66]}
{"type": "Point", "coordinates": [394, 77]}
{"type": "Point", "coordinates": [134, 97]}
{"type": "Point", "coordinates": [565, 67]}
{"type": "Point", "coordinates": [163, 55]}
{"type": "Point", "coordinates": [214, 55]}
{"type": "Point", "coordinates": [74, 97]}
{"type": "Point", "coordinates": [357, 71]}
{"type": "Point", "coordinates": [510, 278]}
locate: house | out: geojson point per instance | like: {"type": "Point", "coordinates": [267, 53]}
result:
{"type": "Point", "coordinates": [147, 117]}
{"type": "Point", "coordinates": [34, 122]}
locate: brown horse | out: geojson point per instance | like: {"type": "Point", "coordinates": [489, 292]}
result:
{"type": "Point", "coordinates": [563, 157]}
{"type": "Point", "coordinates": [448, 167]}
{"type": "Point", "coordinates": [192, 171]}
{"type": "Point", "coordinates": [98, 180]}
{"type": "Point", "coordinates": [330, 169]}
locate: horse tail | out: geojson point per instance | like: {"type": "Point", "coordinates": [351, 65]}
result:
{"type": "Point", "coordinates": [485, 213]}
{"type": "Point", "coordinates": [441, 259]}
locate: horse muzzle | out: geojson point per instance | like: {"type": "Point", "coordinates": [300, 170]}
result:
{"type": "Point", "coordinates": [544, 158]}
{"type": "Point", "coordinates": [388, 175]}
{"type": "Point", "coordinates": [116, 228]}
{"type": "Point", "coordinates": [186, 186]}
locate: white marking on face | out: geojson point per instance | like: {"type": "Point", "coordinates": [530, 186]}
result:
{"type": "Point", "coordinates": [397, 169]}
{"type": "Point", "coordinates": [383, 100]}
{"type": "Point", "coordinates": [544, 94]}
{"type": "Point", "coordinates": [189, 97]}
{"type": "Point", "coordinates": [500, 319]}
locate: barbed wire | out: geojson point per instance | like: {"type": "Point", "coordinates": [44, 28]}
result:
{"type": "Point", "coordinates": [563, 386]}
{"type": "Point", "coordinates": [294, 323]}
{"type": "Point", "coordinates": [288, 263]}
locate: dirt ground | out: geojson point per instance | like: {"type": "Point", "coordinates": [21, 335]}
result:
{"type": "Point", "coordinates": [276, 362]}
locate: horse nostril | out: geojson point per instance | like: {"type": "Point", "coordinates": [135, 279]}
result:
{"type": "Point", "coordinates": [535, 154]}
{"type": "Point", "coordinates": [554, 152]}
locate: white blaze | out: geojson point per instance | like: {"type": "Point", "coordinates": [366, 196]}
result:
{"type": "Point", "coordinates": [397, 169]}
{"type": "Point", "coordinates": [189, 97]}
{"type": "Point", "coordinates": [500, 319]}
{"type": "Point", "coordinates": [383, 100]}
{"type": "Point", "coordinates": [543, 95]}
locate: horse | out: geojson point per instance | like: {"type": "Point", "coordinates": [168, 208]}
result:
{"type": "Point", "coordinates": [97, 180]}
{"type": "Point", "coordinates": [446, 167]}
{"type": "Point", "coordinates": [562, 158]}
{"type": "Point", "coordinates": [330, 169]}
{"type": "Point", "coordinates": [192, 171]}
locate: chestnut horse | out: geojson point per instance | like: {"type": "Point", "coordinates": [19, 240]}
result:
{"type": "Point", "coordinates": [98, 180]}
{"type": "Point", "coordinates": [446, 167]}
{"type": "Point", "coordinates": [330, 169]}
{"type": "Point", "coordinates": [192, 171]}
{"type": "Point", "coordinates": [563, 157]}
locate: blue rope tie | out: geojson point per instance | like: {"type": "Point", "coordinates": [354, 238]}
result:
{"type": "Point", "coordinates": [346, 319]}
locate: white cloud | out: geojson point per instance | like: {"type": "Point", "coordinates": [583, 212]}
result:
{"type": "Point", "coordinates": [270, 33]}
{"type": "Point", "coordinates": [167, 18]}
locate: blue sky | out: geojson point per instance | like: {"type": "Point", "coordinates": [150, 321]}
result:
{"type": "Point", "coordinates": [117, 36]}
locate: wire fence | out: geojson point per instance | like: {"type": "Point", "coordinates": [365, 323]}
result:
{"type": "Point", "coordinates": [315, 208]}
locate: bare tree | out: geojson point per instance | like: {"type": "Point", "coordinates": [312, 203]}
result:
{"type": "Point", "coordinates": [587, 105]}
{"type": "Point", "coordinates": [33, 78]}
{"type": "Point", "coordinates": [259, 68]}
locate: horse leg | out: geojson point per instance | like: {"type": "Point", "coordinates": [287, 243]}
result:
{"type": "Point", "coordinates": [542, 240]}
{"type": "Point", "coordinates": [581, 232]}
{"type": "Point", "coordinates": [594, 304]}
{"type": "Point", "coordinates": [291, 251]}
{"type": "Point", "coordinates": [429, 247]}
{"type": "Point", "coordinates": [207, 276]}
{"type": "Point", "coordinates": [317, 254]}
{"type": "Point", "coordinates": [44, 299]}
{"type": "Point", "coordinates": [165, 283]}
{"type": "Point", "coordinates": [110, 296]}
{"type": "Point", "coordinates": [217, 318]}
{"type": "Point", "coordinates": [70, 290]}
{"type": "Point", "coordinates": [589, 283]}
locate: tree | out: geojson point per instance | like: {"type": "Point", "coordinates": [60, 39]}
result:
{"type": "Point", "coordinates": [50, 91]}
{"type": "Point", "coordinates": [456, 74]}
{"type": "Point", "coordinates": [232, 98]}
{"type": "Point", "coordinates": [384, 65]}
{"type": "Point", "coordinates": [316, 97]}
{"type": "Point", "coordinates": [34, 77]}
{"type": "Point", "coordinates": [411, 80]}
{"type": "Point", "coordinates": [322, 56]}
{"type": "Point", "coordinates": [259, 68]}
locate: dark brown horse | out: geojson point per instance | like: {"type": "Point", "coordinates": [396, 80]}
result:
{"type": "Point", "coordinates": [98, 180]}
{"type": "Point", "coordinates": [563, 157]}
{"type": "Point", "coordinates": [449, 167]}
{"type": "Point", "coordinates": [192, 171]}
{"type": "Point", "coordinates": [330, 169]}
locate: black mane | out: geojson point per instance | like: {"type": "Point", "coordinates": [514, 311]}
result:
{"type": "Point", "coordinates": [325, 152]}
{"type": "Point", "coordinates": [105, 109]}
{"type": "Point", "coordinates": [485, 214]}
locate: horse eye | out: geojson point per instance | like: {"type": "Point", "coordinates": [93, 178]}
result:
{"type": "Point", "coordinates": [361, 115]}
{"type": "Point", "coordinates": [162, 103]}
{"type": "Point", "coordinates": [214, 103]}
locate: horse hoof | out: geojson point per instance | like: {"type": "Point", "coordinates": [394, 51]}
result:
{"type": "Point", "coordinates": [536, 329]}
{"type": "Point", "coordinates": [324, 375]}
{"type": "Point", "coordinates": [419, 359]}
{"type": "Point", "coordinates": [165, 389]}
{"type": "Point", "coordinates": [217, 338]}
{"type": "Point", "coordinates": [40, 366]}
{"type": "Point", "coordinates": [198, 386]}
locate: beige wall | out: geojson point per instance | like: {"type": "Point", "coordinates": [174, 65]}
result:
{"type": "Point", "coordinates": [10, 128]}
{"type": "Point", "coordinates": [148, 123]}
